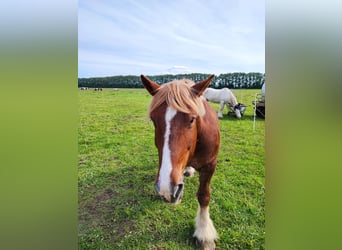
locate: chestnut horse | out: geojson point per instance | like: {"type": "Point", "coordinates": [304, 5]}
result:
{"type": "Point", "coordinates": [186, 134]}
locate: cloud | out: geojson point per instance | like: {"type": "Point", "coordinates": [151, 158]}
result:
{"type": "Point", "coordinates": [178, 69]}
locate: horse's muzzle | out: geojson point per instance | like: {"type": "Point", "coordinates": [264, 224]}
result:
{"type": "Point", "coordinates": [174, 196]}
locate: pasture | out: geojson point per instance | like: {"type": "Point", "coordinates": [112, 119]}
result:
{"type": "Point", "coordinates": [118, 162]}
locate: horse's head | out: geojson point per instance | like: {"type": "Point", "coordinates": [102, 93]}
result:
{"type": "Point", "coordinates": [175, 110]}
{"type": "Point", "coordinates": [237, 110]}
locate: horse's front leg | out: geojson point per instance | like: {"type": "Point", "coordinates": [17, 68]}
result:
{"type": "Point", "coordinates": [205, 231]}
{"type": "Point", "coordinates": [229, 108]}
{"type": "Point", "coordinates": [220, 114]}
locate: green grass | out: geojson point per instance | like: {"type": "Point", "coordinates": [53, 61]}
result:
{"type": "Point", "coordinates": [118, 207]}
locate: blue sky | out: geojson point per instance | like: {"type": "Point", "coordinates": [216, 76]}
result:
{"type": "Point", "coordinates": [152, 37]}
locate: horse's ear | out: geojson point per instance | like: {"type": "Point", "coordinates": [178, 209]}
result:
{"type": "Point", "coordinates": [199, 88]}
{"type": "Point", "coordinates": [150, 85]}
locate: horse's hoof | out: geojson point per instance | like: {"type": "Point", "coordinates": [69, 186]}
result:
{"type": "Point", "coordinates": [205, 245]}
{"type": "Point", "coordinates": [189, 172]}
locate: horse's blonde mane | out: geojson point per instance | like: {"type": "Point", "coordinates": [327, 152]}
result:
{"type": "Point", "coordinates": [179, 96]}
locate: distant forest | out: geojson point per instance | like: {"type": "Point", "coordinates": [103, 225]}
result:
{"type": "Point", "coordinates": [230, 80]}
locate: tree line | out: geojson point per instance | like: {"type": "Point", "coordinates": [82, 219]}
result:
{"type": "Point", "coordinates": [240, 80]}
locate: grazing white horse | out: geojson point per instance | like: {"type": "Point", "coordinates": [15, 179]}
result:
{"type": "Point", "coordinates": [223, 96]}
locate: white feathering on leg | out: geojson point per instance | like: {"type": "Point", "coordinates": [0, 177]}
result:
{"type": "Point", "coordinates": [189, 171]}
{"type": "Point", "coordinates": [205, 230]}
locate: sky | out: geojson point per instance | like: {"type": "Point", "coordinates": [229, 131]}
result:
{"type": "Point", "coordinates": [154, 37]}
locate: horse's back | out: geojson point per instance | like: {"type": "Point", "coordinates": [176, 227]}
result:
{"type": "Point", "coordinates": [218, 95]}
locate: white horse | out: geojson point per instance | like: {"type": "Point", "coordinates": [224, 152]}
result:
{"type": "Point", "coordinates": [226, 97]}
{"type": "Point", "coordinates": [263, 91]}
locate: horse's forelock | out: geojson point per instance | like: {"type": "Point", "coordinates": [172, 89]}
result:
{"type": "Point", "coordinates": [179, 96]}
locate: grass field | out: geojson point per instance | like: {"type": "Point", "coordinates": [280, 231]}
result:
{"type": "Point", "coordinates": [118, 206]}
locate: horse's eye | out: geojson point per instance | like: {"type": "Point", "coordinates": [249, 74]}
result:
{"type": "Point", "coordinates": [192, 119]}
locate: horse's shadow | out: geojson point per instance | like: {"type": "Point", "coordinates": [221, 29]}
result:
{"type": "Point", "coordinates": [247, 117]}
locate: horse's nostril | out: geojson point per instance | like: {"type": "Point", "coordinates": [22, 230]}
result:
{"type": "Point", "coordinates": [180, 187]}
{"type": "Point", "coordinates": [178, 191]}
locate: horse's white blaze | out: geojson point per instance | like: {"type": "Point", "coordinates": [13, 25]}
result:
{"type": "Point", "coordinates": [237, 113]}
{"type": "Point", "coordinates": [166, 166]}
{"type": "Point", "coordinates": [205, 230]}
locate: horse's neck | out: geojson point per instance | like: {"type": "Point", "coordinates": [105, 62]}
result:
{"type": "Point", "coordinates": [232, 99]}
{"type": "Point", "coordinates": [204, 121]}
